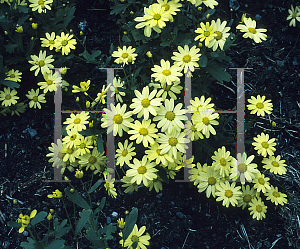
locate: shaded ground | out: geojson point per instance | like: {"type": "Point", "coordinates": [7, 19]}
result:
{"type": "Point", "coordinates": [179, 217]}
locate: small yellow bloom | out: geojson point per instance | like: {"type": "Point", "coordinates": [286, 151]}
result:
{"type": "Point", "coordinates": [273, 124]}
{"type": "Point", "coordinates": [77, 99]}
{"type": "Point", "coordinates": [72, 190]}
{"type": "Point", "coordinates": [149, 54]}
{"type": "Point", "coordinates": [87, 104]}
{"type": "Point", "coordinates": [81, 33]}
{"type": "Point", "coordinates": [49, 216]}
{"type": "Point", "coordinates": [79, 173]}
{"type": "Point", "coordinates": [34, 25]}
{"type": "Point", "coordinates": [19, 29]}
{"type": "Point", "coordinates": [63, 70]}
{"type": "Point", "coordinates": [56, 194]}
{"type": "Point", "coordinates": [121, 223]}
{"type": "Point", "coordinates": [51, 211]}
{"type": "Point", "coordinates": [5, 32]}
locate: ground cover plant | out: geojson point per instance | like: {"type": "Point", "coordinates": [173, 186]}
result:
{"type": "Point", "coordinates": [160, 107]}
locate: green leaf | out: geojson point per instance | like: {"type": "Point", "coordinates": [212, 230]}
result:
{"type": "Point", "coordinates": [162, 174]}
{"type": "Point", "coordinates": [38, 218]}
{"type": "Point", "coordinates": [56, 244]}
{"type": "Point", "coordinates": [95, 186]}
{"type": "Point", "coordinates": [10, 83]}
{"type": "Point", "coordinates": [22, 20]}
{"type": "Point", "coordinates": [32, 244]}
{"type": "Point", "coordinates": [22, 9]}
{"type": "Point", "coordinates": [214, 54]}
{"type": "Point", "coordinates": [84, 216]}
{"type": "Point", "coordinates": [101, 206]}
{"type": "Point", "coordinates": [10, 48]}
{"type": "Point", "coordinates": [69, 17]}
{"type": "Point", "coordinates": [217, 71]}
{"type": "Point", "coordinates": [118, 9]}
{"type": "Point", "coordinates": [100, 144]}
{"type": "Point", "coordinates": [76, 198]}
{"type": "Point", "coordinates": [130, 221]}
{"type": "Point", "coordinates": [203, 61]}
{"type": "Point", "coordinates": [14, 224]}
{"type": "Point", "coordinates": [165, 44]}
{"type": "Point", "coordinates": [61, 230]}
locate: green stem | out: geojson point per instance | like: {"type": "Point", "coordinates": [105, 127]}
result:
{"type": "Point", "coordinates": [87, 193]}
{"type": "Point", "coordinates": [31, 233]}
{"type": "Point", "coordinates": [48, 233]}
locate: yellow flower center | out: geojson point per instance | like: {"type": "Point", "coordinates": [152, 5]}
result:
{"type": "Point", "coordinates": [212, 181]}
{"type": "Point", "coordinates": [8, 97]}
{"type": "Point", "coordinates": [275, 164]}
{"type": "Point", "coordinates": [142, 170]}
{"type": "Point", "coordinates": [170, 115]}
{"type": "Point", "coordinates": [194, 128]}
{"type": "Point", "coordinates": [107, 185]}
{"type": "Point", "coordinates": [223, 161]}
{"type": "Point", "coordinates": [124, 55]}
{"type": "Point", "coordinates": [135, 238]}
{"type": "Point", "coordinates": [143, 131]}
{"type": "Point", "coordinates": [252, 30]}
{"type": "Point", "coordinates": [69, 151]}
{"type": "Point", "coordinates": [276, 194]}
{"type": "Point", "coordinates": [261, 180]}
{"type": "Point", "coordinates": [187, 58]}
{"type": "Point", "coordinates": [258, 208]}
{"type": "Point", "coordinates": [173, 141]}
{"type": "Point", "coordinates": [167, 7]}
{"type": "Point", "coordinates": [242, 167]}
{"type": "Point", "coordinates": [41, 63]}
{"type": "Point", "coordinates": [156, 16]}
{"type": "Point", "coordinates": [260, 105]}
{"type": "Point", "coordinates": [247, 198]}
{"type": "Point", "coordinates": [35, 98]}
{"type": "Point", "coordinates": [158, 152]}
{"type": "Point", "coordinates": [219, 35]}
{"type": "Point", "coordinates": [228, 193]}
{"type": "Point", "coordinates": [64, 43]}
{"type": "Point", "coordinates": [124, 152]}
{"type": "Point", "coordinates": [12, 75]}
{"type": "Point", "coordinates": [49, 82]}
{"type": "Point", "coordinates": [92, 159]}
{"type": "Point", "coordinates": [116, 90]}
{"type": "Point", "coordinates": [73, 137]}
{"type": "Point", "coordinates": [294, 15]}
{"type": "Point", "coordinates": [265, 145]}
{"type": "Point", "coordinates": [206, 33]}
{"type": "Point", "coordinates": [167, 87]}
{"type": "Point", "coordinates": [77, 120]}
{"type": "Point", "coordinates": [41, 3]}
{"type": "Point", "coordinates": [166, 72]}
{"type": "Point", "coordinates": [118, 119]}
{"type": "Point", "coordinates": [145, 103]}
{"type": "Point", "coordinates": [51, 42]}
{"type": "Point", "coordinates": [205, 120]}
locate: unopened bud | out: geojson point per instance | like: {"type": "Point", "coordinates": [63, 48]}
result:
{"type": "Point", "coordinates": [149, 54]}
{"type": "Point", "coordinates": [72, 190]}
{"type": "Point", "coordinates": [34, 25]}
{"type": "Point", "coordinates": [87, 104]}
{"type": "Point", "coordinates": [81, 33]}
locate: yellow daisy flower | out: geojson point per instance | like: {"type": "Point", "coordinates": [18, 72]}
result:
{"type": "Point", "coordinates": [72, 138]}
{"type": "Point", "coordinates": [206, 32]}
{"type": "Point", "coordinates": [145, 103]}
{"type": "Point", "coordinates": [251, 32]}
{"type": "Point", "coordinates": [275, 165]}
{"type": "Point", "coordinates": [227, 193]}
{"type": "Point", "coordinates": [49, 41]}
{"type": "Point", "coordinates": [257, 209]}
{"type": "Point", "coordinates": [195, 173]}
{"type": "Point", "coordinates": [101, 96]}
{"type": "Point", "coordinates": [124, 55]}
{"type": "Point", "coordinates": [209, 180]}
{"type": "Point", "coordinates": [247, 195]}
{"type": "Point", "coordinates": [36, 99]}
{"type": "Point", "coordinates": [14, 75]}
{"type": "Point", "coordinates": [56, 194]}
{"type": "Point", "coordinates": [40, 5]}
{"type": "Point", "coordinates": [263, 145]}
{"type": "Point", "coordinates": [170, 117]}
{"type": "Point", "coordinates": [243, 168]}
{"type": "Point", "coordinates": [191, 131]}
{"type": "Point", "coordinates": [65, 43]}
{"type": "Point", "coordinates": [222, 161]}
{"type": "Point", "coordinates": [155, 154]}
{"type": "Point", "coordinates": [259, 105]}
{"type": "Point", "coordinates": [294, 14]}
{"type": "Point", "coordinates": [166, 89]}
{"type": "Point", "coordinates": [156, 183]}
{"type": "Point", "coordinates": [154, 17]}
{"type": "Point", "coordinates": [25, 220]}
{"type": "Point", "coordinates": [9, 97]}
{"type": "Point", "coordinates": [221, 31]}
{"type": "Point", "coordinates": [56, 154]}
{"type": "Point", "coordinates": [41, 62]}
{"type": "Point", "coordinates": [142, 171]}
{"type": "Point", "coordinates": [261, 183]}
{"type": "Point", "coordinates": [170, 7]}
{"type": "Point", "coordinates": [83, 145]}
{"type": "Point", "coordinates": [116, 89]}
{"type": "Point", "coordinates": [186, 58]}
{"type": "Point", "coordinates": [136, 235]}
{"type": "Point", "coordinates": [109, 186]}
{"type": "Point", "coordinates": [77, 121]}
{"type": "Point", "coordinates": [69, 154]}
{"type": "Point", "coordinates": [125, 153]}
{"type": "Point", "coordinates": [173, 142]}
{"type": "Point", "coordinates": [130, 187]}
{"type": "Point", "coordinates": [201, 104]}
{"type": "Point", "coordinates": [50, 82]}
{"type": "Point", "coordinates": [93, 160]}
{"type": "Point", "coordinates": [143, 132]}
{"type": "Point", "coordinates": [166, 73]}
{"type": "Point", "coordinates": [275, 196]}
{"type": "Point", "coordinates": [205, 120]}
{"type": "Point", "coordinates": [209, 3]}
{"type": "Point", "coordinates": [116, 119]}
{"type": "Point", "coordinates": [84, 87]}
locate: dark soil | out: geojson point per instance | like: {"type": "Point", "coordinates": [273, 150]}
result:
{"type": "Point", "coordinates": [179, 217]}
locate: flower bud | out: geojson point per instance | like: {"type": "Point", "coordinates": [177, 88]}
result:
{"type": "Point", "coordinates": [30, 19]}
{"type": "Point", "coordinates": [34, 25]}
{"type": "Point", "coordinates": [63, 70]}
{"type": "Point", "coordinates": [19, 29]}
{"type": "Point", "coordinates": [199, 8]}
{"type": "Point", "coordinates": [77, 99]}
{"type": "Point", "coordinates": [66, 178]}
{"type": "Point", "coordinates": [49, 217]}
{"type": "Point", "coordinates": [207, 16]}
{"type": "Point", "coordinates": [126, 212]}
{"type": "Point", "coordinates": [79, 174]}
{"type": "Point", "coordinates": [51, 211]}
{"type": "Point", "coordinates": [273, 124]}
{"type": "Point", "coordinates": [125, 32]}
{"type": "Point", "coordinates": [200, 44]}
{"type": "Point", "coordinates": [15, 202]}
{"type": "Point", "coordinates": [131, 13]}
{"type": "Point", "coordinates": [87, 104]}
{"type": "Point", "coordinates": [149, 54]}
{"type": "Point", "coordinates": [71, 31]}
{"type": "Point", "coordinates": [72, 190]}
{"type": "Point", "coordinates": [91, 124]}
{"type": "Point", "coordinates": [81, 33]}
{"type": "Point", "coordinates": [5, 32]}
